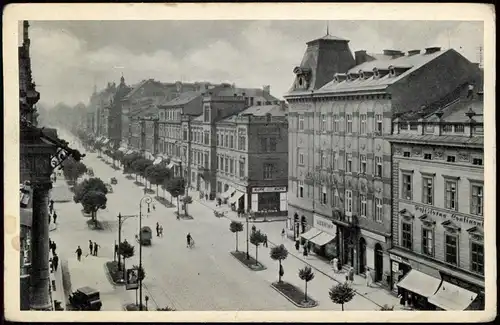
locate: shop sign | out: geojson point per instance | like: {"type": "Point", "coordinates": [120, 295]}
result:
{"type": "Point", "coordinates": [460, 283]}
{"type": "Point", "coordinates": [325, 225]}
{"type": "Point", "coordinates": [395, 267]}
{"type": "Point", "coordinates": [399, 259]}
{"type": "Point", "coordinates": [269, 189]}
{"type": "Point", "coordinates": [452, 216]}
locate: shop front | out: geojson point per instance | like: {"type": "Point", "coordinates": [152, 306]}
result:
{"type": "Point", "coordinates": [269, 201]}
{"type": "Point", "coordinates": [457, 294]}
{"type": "Point", "coordinates": [347, 238]}
{"type": "Point", "coordinates": [324, 243]}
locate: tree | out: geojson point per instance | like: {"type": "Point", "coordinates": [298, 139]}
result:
{"type": "Point", "coordinates": [141, 274]}
{"type": "Point", "coordinates": [128, 160]}
{"type": "Point", "coordinates": [126, 251]}
{"type": "Point", "coordinates": [341, 294]}
{"type": "Point", "coordinates": [72, 169]}
{"type": "Point", "coordinates": [91, 184]}
{"type": "Point", "coordinates": [176, 187]}
{"type": "Point", "coordinates": [236, 227]}
{"type": "Point", "coordinates": [93, 201]}
{"type": "Point", "coordinates": [306, 274]}
{"type": "Point", "coordinates": [279, 253]}
{"type": "Point", "coordinates": [257, 238]}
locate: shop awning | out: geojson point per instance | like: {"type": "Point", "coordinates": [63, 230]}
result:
{"type": "Point", "coordinates": [169, 166]}
{"type": "Point", "coordinates": [148, 155]}
{"type": "Point", "coordinates": [130, 151]}
{"type": "Point", "coordinates": [452, 297]}
{"type": "Point", "coordinates": [105, 141]}
{"type": "Point", "coordinates": [157, 161]}
{"type": "Point", "coordinates": [235, 197]}
{"type": "Point", "coordinates": [322, 239]}
{"type": "Point", "coordinates": [311, 233]}
{"type": "Point", "coordinates": [228, 193]}
{"type": "Point", "coordinates": [419, 283]}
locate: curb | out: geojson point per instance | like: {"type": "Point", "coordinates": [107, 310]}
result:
{"type": "Point", "coordinates": [246, 266]}
{"type": "Point", "coordinates": [322, 272]}
{"type": "Point", "coordinates": [293, 302]}
{"type": "Point", "coordinates": [110, 278]}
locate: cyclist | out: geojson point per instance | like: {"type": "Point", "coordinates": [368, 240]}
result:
{"type": "Point", "coordinates": [189, 239]}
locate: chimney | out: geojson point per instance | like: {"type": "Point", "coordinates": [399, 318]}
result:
{"type": "Point", "coordinates": [266, 89]}
{"type": "Point", "coordinates": [393, 53]}
{"type": "Point", "coordinates": [360, 57]}
{"type": "Point", "coordinates": [413, 52]}
{"type": "Point", "coordinates": [430, 50]}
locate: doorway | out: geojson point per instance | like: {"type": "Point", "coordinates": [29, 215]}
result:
{"type": "Point", "coordinates": [379, 262]}
{"type": "Point", "coordinates": [362, 255]}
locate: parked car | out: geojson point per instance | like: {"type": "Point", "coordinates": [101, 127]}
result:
{"type": "Point", "coordinates": [146, 235]}
{"type": "Point", "coordinates": [113, 181]}
{"type": "Point", "coordinates": [86, 298]}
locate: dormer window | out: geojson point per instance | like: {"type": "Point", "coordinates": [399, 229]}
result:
{"type": "Point", "coordinates": [339, 77]}
{"type": "Point", "coordinates": [353, 76]}
{"type": "Point", "coordinates": [392, 71]}
{"type": "Point", "coordinates": [397, 70]}
{"type": "Point", "coordinates": [303, 76]}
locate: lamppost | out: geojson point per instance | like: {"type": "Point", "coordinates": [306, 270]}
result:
{"type": "Point", "coordinates": [247, 215]}
{"type": "Point", "coordinates": [148, 200]}
{"type": "Point", "coordinates": [121, 220]}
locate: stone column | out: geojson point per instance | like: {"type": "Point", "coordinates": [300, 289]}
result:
{"type": "Point", "coordinates": [40, 273]}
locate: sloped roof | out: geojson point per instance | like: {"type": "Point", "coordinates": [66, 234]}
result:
{"type": "Point", "coordinates": [476, 141]}
{"type": "Point", "coordinates": [412, 62]}
{"type": "Point", "coordinates": [258, 93]}
{"type": "Point", "coordinates": [329, 37]}
{"type": "Point", "coordinates": [263, 110]}
{"type": "Point", "coordinates": [183, 98]}
{"type": "Point", "coordinates": [136, 88]}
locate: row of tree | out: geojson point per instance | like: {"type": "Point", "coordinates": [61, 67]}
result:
{"type": "Point", "coordinates": [72, 170]}
{"type": "Point", "coordinates": [91, 193]}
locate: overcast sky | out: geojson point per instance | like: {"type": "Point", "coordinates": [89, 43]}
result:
{"type": "Point", "coordinates": [69, 57]}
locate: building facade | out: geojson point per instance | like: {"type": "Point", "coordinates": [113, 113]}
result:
{"type": "Point", "coordinates": [438, 205]}
{"type": "Point", "coordinates": [341, 107]}
{"type": "Point", "coordinates": [115, 112]}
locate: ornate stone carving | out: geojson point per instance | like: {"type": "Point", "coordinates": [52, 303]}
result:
{"type": "Point", "coordinates": [363, 146]}
{"type": "Point", "coordinates": [439, 153]}
{"type": "Point", "coordinates": [463, 156]}
{"type": "Point", "coordinates": [348, 144]}
{"type": "Point", "coordinates": [379, 147]}
{"type": "Point", "coordinates": [398, 151]}
{"type": "Point", "coordinates": [362, 187]}
{"type": "Point", "coordinates": [417, 151]}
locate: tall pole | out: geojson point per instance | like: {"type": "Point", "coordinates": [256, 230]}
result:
{"type": "Point", "coordinates": [148, 201]}
{"type": "Point", "coordinates": [248, 255]}
{"type": "Point", "coordinates": [119, 239]}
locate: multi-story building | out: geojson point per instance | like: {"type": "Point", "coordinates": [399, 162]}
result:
{"type": "Point", "coordinates": [341, 107]}
{"type": "Point", "coordinates": [115, 112]}
{"type": "Point", "coordinates": [438, 205]}
{"type": "Point", "coordinates": [252, 160]}
{"type": "Point", "coordinates": [150, 131]}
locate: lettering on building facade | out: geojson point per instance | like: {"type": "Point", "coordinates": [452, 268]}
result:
{"type": "Point", "coordinates": [269, 189]}
{"type": "Point", "coordinates": [449, 216]}
{"type": "Point", "coordinates": [325, 225]}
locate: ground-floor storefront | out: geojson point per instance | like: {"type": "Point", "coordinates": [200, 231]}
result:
{"type": "Point", "coordinates": [428, 285]}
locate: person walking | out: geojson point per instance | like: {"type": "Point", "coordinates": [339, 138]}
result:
{"type": "Point", "coordinates": [265, 241]}
{"type": "Point", "coordinates": [53, 248]}
{"type": "Point", "coordinates": [305, 252]}
{"type": "Point", "coordinates": [335, 265]}
{"type": "Point", "coordinates": [188, 239]}
{"type": "Point", "coordinates": [157, 229]}
{"type": "Point", "coordinates": [297, 245]}
{"type": "Point", "coordinates": [161, 231]}
{"type": "Point", "coordinates": [79, 253]}
{"type": "Point", "coordinates": [368, 275]}
{"type": "Point", "coordinates": [116, 251]}
{"type": "Point", "coordinates": [54, 217]}
{"type": "Point", "coordinates": [283, 233]}
{"type": "Point", "coordinates": [91, 247]}
{"type": "Point", "coordinates": [55, 262]}
{"type": "Point", "coordinates": [351, 275]}
{"type": "Point", "coordinates": [154, 207]}
{"type": "Point", "coordinates": [96, 248]}
{"type": "Point", "coordinates": [51, 206]}
{"type": "Point", "coordinates": [254, 229]}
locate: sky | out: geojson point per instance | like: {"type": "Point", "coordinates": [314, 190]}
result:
{"type": "Point", "coordinates": [70, 57]}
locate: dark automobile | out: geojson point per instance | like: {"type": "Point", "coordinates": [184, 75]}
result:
{"type": "Point", "coordinates": [85, 298]}
{"type": "Point", "coordinates": [113, 181]}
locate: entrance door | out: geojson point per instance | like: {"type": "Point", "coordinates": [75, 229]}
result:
{"type": "Point", "coordinates": [379, 263]}
{"type": "Point", "coordinates": [362, 255]}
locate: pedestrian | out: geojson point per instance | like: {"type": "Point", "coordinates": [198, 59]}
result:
{"type": "Point", "coordinates": [368, 275]}
{"type": "Point", "coordinates": [96, 248]}
{"type": "Point", "coordinates": [154, 207]}
{"type": "Point", "coordinates": [51, 205]}
{"type": "Point", "coordinates": [254, 229]}
{"type": "Point", "coordinates": [79, 253]}
{"type": "Point", "coordinates": [53, 248]}
{"type": "Point", "coordinates": [265, 240]}
{"type": "Point", "coordinates": [335, 265]}
{"type": "Point", "coordinates": [54, 217]}
{"type": "Point", "coordinates": [161, 231]}
{"type": "Point", "coordinates": [283, 233]}
{"type": "Point", "coordinates": [297, 245]}
{"type": "Point", "coordinates": [116, 250]}
{"type": "Point", "coordinates": [157, 229]}
{"type": "Point", "coordinates": [351, 275]}
{"type": "Point", "coordinates": [91, 247]}
{"type": "Point", "coordinates": [188, 239]}
{"type": "Point", "coordinates": [55, 262]}
{"type": "Point", "coordinates": [305, 252]}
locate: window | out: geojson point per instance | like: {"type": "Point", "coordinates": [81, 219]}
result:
{"type": "Point", "coordinates": [263, 144]}
{"type": "Point", "coordinates": [336, 123]}
{"type": "Point", "coordinates": [231, 142]}
{"type": "Point", "coordinates": [218, 140]}
{"type": "Point", "coordinates": [242, 142]}
{"type": "Point", "coordinates": [226, 165]}
{"type": "Point", "coordinates": [207, 114]}
{"type": "Point", "coordinates": [217, 164]}
{"type": "Point", "coordinates": [206, 160]}
{"type": "Point", "coordinates": [348, 201]}
{"type": "Point", "coordinates": [450, 158]}
{"type": "Point", "coordinates": [268, 171]}
{"type": "Point", "coordinates": [362, 124]}
{"type": "Point", "coordinates": [459, 128]}
{"type": "Point", "coordinates": [362, 205]}
{"type": "Point", "coordinates": [427, 156]}
{"type": "Point", "coordinates": [323, 122]}
{"type": "Point", "coordinates": [427, 242]}
{"type": "Point", "coordinates": [477, 161]}
{"type": "Point", "coordinates": [221, 165]}
{"type": "Point", "coordinates": [231, 166]}
{"type": "Point", "coordinates": [207, 138]}
{"type": "Point", "coordinates": [477, 200]}
{"type": "Point", "coordinates": [378, 166]}
{"type": "Point", "coordinates": [477, 257]}
{"type": "Point", "coordinates": [407, 187]}
{"type": "Point", "coordinates": [406, 154]}
{"type": "Point", "coordinates": [301, 158]}
{"type": "Point", "coordinates": [378, 127]}
{"type": "Point", "coordinates": [336, 198]}
{"type": "Point", "coordinates": [349, 123]}
{"type": "Point", "coordinates": [272, 144]}
{"type": "Point", "coordinates": [378, 209]}
{"type": "Point", "coordinates": [242, 167]}
{"type": "Point", "coordinates": [349, 163]}
{"type": "Point", "coordinates": [428, 190]}
{"type": "Point", "coordinates": [451, 247]}
{"type": "Point", "coordinates": [323, 196]}
{"type": "Point", "coordinates": [451, 197]}
{"type": "Point", "coordinates": [322, 159]}
{"type": "Point", "coordinates": [406, 235]}
{"type": "Point", "coordinates": [301, 189]}
{"type": "Point", "coordinates": [362, 164]}
{"type": "Point", "coordinates": [413, 126]}
{"type": "Point", "coordinates": [447, 128]}
{"type": "Point", "coordinates": [226, 141]}
{"type": "Point", "coordinates": [301, 122]}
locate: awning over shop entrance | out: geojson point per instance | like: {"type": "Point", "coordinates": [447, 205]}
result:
{"type": "Point", "coordinates": [157, 161]}
{"type": "Point", "coordinates": [130, 151]}
{"type": "Point", "coordinates": [311, 233]}
{"type": "Point", "coordinates": [105, 141]}
{"type": "Point", "coordinates": [322, 238]}
{"type": "Point", "coordinates": [452, 297]}
{"type": "Point", "coordinates": [148, 155]}
{"type": "Point", "coordinates": [419, 283]}
{"type": "Point", "coordinates": [228, 193]}
{"type": "Point", "coordinates": [171, 165]}
{"type": "Point", "coordinates": [235, 197]}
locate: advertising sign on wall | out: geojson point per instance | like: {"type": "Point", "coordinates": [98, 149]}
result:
{"type": "Point", "coordinates": [132, 282]}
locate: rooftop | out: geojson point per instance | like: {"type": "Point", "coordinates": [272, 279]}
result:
{"type": "Point", "coordinates": [329, 37]}
{"type": "Point", "coordinates": [263, 110]}
{"type": "Point", "coordinates": [460, 140]}
{"type": "Point", "coordinates": [183, 98]}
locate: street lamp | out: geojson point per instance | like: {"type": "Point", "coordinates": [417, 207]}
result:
{"type": "Point", "coordinates": [148, 200]}
{"type": "Point", "coordinates": [247, 215]}
{"type": "Point", "coordinates": [121, 220]}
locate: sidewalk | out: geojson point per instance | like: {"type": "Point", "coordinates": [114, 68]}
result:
{"type": "Point", "coordinates": [374, 294]}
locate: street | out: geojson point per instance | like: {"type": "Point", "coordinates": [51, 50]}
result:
{"type": "Point", "coordinates": [204, 278]}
